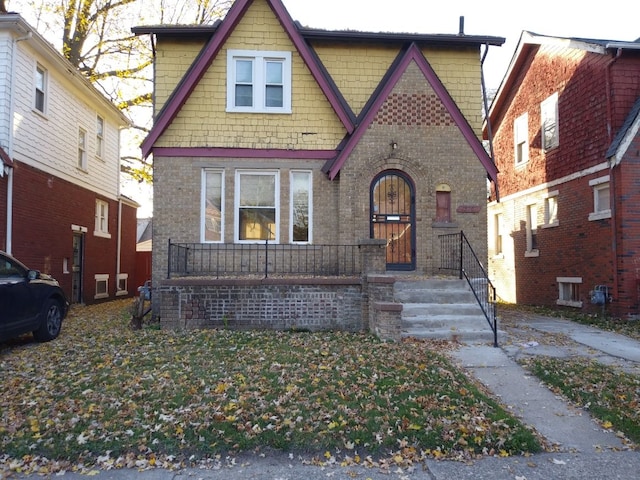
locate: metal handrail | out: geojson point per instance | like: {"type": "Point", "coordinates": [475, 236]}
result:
{"type": "Point", "coordinates": [457, 254]}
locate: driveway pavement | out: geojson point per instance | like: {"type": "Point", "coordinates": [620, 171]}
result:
{"type": "Point", "coordinates": [581, 448]}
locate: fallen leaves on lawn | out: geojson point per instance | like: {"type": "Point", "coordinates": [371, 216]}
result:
{"type": "Point", "coordinates": [610, 395]}
{"type": "Point", "coordinates": [103, 394]}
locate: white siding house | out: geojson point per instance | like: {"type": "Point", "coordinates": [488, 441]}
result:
{"type": "Point", "coordinates": [61, 209]}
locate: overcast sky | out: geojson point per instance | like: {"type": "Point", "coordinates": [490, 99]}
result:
{"type": "Point", "coordinates": [613, 20]}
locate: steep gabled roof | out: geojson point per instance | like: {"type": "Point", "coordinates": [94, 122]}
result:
{"type": "Point", "coordinates": [213, 47]}
{"type": "Point", "coordinates": [395, 72]}
{"type": "Point", "coordinates": [625, 135]}
{"type": "Point", "coordinates": [530, 42]}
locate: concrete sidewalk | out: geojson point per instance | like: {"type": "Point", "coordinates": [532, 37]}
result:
{"type": "Point", "coordinates": [582, 449]}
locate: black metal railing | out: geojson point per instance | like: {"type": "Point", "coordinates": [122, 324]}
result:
{"type": "Point", "coordinates": [456, 254]}
{"type": "Point", "coordinates": [263, 259]}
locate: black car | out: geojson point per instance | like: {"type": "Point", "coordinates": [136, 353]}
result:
{"type": "Point", "coordinates": [30, 301]}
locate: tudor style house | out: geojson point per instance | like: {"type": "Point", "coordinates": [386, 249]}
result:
{"type": "Point", "coordinates": [270, 132]}
{"type": "Point", "coordinates": [565, 230]}
{"type": "Point", "coordinates": [61, 210]}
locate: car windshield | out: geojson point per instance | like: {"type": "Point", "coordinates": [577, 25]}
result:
{"type": "Point", "coordinates": [9, 269]}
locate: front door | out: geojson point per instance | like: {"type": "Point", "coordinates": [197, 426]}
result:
{"type": "Point", "coordinates": [393, 218]}
{"type": "Point", "coordinates": [76, 268]}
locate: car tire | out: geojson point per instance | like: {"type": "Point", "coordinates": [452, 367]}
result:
{"type": "Point", "coordinates": [51, 321]}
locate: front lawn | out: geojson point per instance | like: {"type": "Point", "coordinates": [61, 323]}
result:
{"type": "Point", "coordinates": [610, 395]}
{"type": "Point", "coordinates": [103, 393]}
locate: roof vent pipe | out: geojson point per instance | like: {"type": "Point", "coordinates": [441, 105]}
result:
{"type": "Point", "coordinates": [461, 31]}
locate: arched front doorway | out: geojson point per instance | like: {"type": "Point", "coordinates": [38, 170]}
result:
{"type": "Point", "coordinates": [393, 217]}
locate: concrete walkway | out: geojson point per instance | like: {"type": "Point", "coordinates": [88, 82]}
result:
{"type": "Point", "coordinates": [580, 448]}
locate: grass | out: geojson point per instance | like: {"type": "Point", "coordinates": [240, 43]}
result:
{"type": "Point", "coordinates": [611, 396]}
{"type": "Point", "coordinates": [104, 393]}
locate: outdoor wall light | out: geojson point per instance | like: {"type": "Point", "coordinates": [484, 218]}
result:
{"type": "Point", "coordinates": [393, 144]}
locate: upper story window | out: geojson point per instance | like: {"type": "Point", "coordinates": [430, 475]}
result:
{"type": "Point", "coordinates": [102, 219]}
{"type": "Point", "coordinates": [301, 206]}
{"type": "Point", "coordinates": [549, 122]}
{"type": "Point", "coordinates": [521, 139]}
{"type": "Point", "coordinates": [601, 198]}
{"type": "Point", "coordinates": [257, 206]}
{"type": "Point", "coordinates": [99, 137]}
{"type": "Point", "coordinates": [82, 149]}
{"type": "Point", "coordinates": [41, 88]}
{"type": "Point", "coordinates": [258, 81]}
{"type": "Point", "coordinates": [212, 206]}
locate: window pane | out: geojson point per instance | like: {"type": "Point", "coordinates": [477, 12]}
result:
{"type": "Point", "coordinates": [552, 210]}
{"type": "Point", "coordinates": [40, 100]}
{"type": "Point", "coordinates": [300, 206]}
{"type": "Point", "coordinates": [443, 207]}
{"type": "Point", "coordinates": [257, 190]}
{"type": "Point", "coordinates": [244, 96]}
{"type": "Point", "coordinates": [274, 72]}
{"type": "Point", "coordinates": [40, 79]}
{"type": "Point", "coordinates": [274, 96]}
{"type": "Point", "coordinates": [257, 223]}
{"type": "Point", "coordinates": [603, 199]}
{"type": "Point", "coordinates": [213, 207]}
{"type": "Point", "coordinates": [244, 71]}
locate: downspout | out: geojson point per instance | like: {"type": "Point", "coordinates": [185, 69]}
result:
{"type": "Point", "coordinates": [612, 182]}
{"type": "Point", "coordinates": [119, 244]}
{"type": "Point", "coordinates": [14, 54]}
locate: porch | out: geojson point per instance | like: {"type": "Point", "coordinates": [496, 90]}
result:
{"type": "Point", "coordinates": [300, 287]}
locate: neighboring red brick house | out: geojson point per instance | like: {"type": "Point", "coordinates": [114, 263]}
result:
{"type": "Point", "coordinates": [565, 229]}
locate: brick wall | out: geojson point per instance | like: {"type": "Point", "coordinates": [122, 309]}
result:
{"type": "Point", "coordinates": [589, 116]}
{"type": "Point", "coordinates": [278, 304]}
{"type": "Point", "coordinates": [45, 208]}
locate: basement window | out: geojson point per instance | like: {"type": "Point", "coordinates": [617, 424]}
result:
{"type": "Point", "coordinates": [569, 291]}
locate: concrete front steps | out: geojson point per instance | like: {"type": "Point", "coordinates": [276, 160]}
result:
{"type": "Point", "coordinates": [441, 309]}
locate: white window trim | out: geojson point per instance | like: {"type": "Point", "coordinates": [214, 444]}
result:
{"type": "Point", "coordinates": [82, 162]}
{"type": "Point", "coordinates": [554, 194]}
{"type": "Point", "coordinates": [597, 184]}
{"type": "Point", "coordinates": [125, 291]}
{"type": "Point", "coordinates": [521, 124]}
{"type": "Point", "coordinates": [97, 232]}
{"type": "Point", "coordinates": [203, 204]}
{"type": "Point", "coordinates": [99, 278]}
{"type": "Point", "coordinates": [259, 82]}
{"type": "Point", "coordinates": [45, 97]}
{"type": "Point", "coordinates": [568, 303]}
{"type": "Point", "coordinates": [100, 137]}
{"type": "Point", "coordinates": [498, 231]}
{"type": "Point", "coordinates": [236, 216]}
{"type": "Point", "coordinates": [310, 240]}
{"type": "Point", "coordinates": [550, 105]}
{"type": "Point", "coordinates": [530, 222]}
